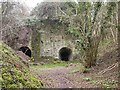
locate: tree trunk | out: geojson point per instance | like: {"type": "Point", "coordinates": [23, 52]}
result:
{"type": "Point", "coordinates": [91, 53]}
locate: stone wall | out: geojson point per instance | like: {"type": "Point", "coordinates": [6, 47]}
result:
{"type": "Point", "coordinates": [52, 43]}
{"type": "Point", "coordinates": [46, 40]}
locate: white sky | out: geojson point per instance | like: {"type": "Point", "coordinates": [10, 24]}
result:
{"type": "Point", "coordinates": [31, 3]}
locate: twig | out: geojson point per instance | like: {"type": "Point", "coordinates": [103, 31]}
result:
{"type": "Point", "coordinates": [109, 68]}
{"type": "Point", "coordinates": [62, 11]}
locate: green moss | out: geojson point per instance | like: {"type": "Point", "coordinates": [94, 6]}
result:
{"type": "Point", "coordinates": [35, 44]}
{"type": "Point", "coordinates": [15, 74]}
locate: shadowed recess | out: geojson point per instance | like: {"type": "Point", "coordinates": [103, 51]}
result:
{"type": "Point", "coordinates": [65, 53]}
{"type": "Point", "coordinates": [25, 50]}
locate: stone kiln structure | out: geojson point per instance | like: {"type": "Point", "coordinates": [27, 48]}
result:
{"type": "Point", "coordinates": [48, 39]}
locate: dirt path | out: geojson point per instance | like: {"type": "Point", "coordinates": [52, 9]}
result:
{"type": "Point", "coordinates": [56, 78]}
{"type": "Point", "coordinates": [66, 77]}
{"type": "Point", "coordinates": [63, 77]}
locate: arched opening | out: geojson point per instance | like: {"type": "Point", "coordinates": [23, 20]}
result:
{"type": "Point", "coordinates": [25, 50]}
{"type": "Point", "coordinates": [65, 53]}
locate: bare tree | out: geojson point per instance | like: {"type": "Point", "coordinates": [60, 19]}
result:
{"type": "Point", "coordinates": [12, 15]}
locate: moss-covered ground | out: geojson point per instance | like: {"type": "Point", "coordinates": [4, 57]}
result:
{"type": "Point", "coordinates": [14, 72]}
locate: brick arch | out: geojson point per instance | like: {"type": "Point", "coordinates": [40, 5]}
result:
{"type": "Point", "coordinates": [65, 54]}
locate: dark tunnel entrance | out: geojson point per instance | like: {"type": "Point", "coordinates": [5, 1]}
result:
{"type": "Point", "coordinates": [25, 50]}
{"type": "Point", "coordinates": [65, 53]}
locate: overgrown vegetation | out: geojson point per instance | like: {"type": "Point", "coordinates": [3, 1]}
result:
{"type": "Point", "coordinates": [15, 74]}
{"type": "Point", "coordinates": [92, 27]}
{"type": "Point", "coordinates": [88, 23]}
